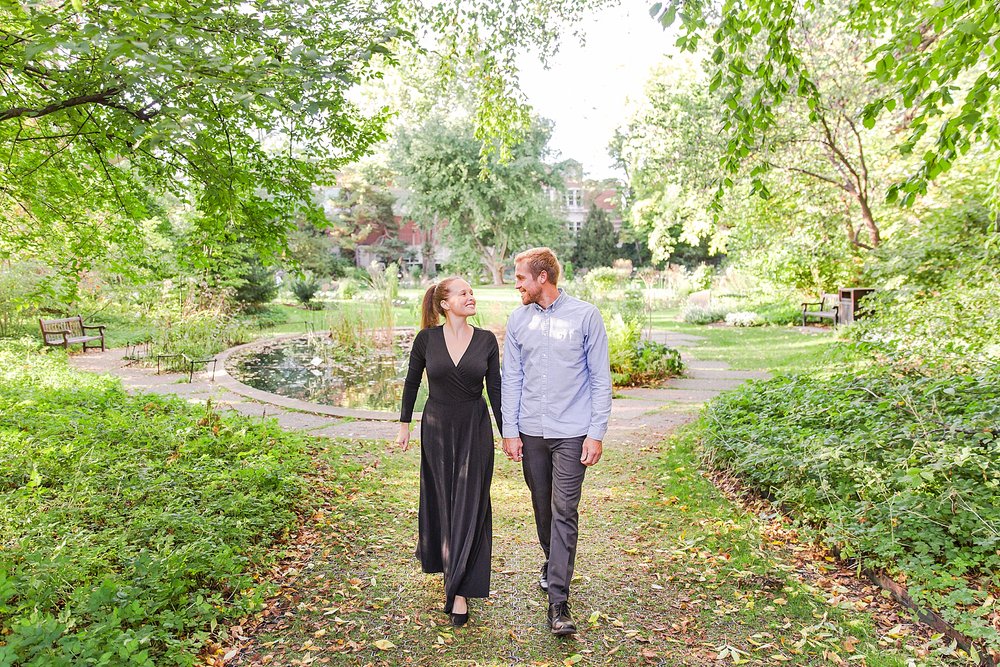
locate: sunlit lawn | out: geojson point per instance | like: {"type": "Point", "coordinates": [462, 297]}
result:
{"type": "Point", "coordinates": [494, 304]}
{"type": "Point", "coordinates": [770, 348]}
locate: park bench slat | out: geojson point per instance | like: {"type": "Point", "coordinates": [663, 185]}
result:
{"type": "Point", "coordinates": [66, 331]}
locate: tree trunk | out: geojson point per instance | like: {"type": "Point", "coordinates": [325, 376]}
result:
{"type": "Point", "coordinates": [496, 270]}
{"type": "Point", "coordinates": [866, 213]}
{"type": "Point", "coordinates": [427, 249]}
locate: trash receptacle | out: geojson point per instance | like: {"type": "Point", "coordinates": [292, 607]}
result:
{"type": "Point", "coordinates": [850, 297]}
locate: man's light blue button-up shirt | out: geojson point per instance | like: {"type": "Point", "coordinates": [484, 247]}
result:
{"type": "Point", "coordinates": [556, 371]}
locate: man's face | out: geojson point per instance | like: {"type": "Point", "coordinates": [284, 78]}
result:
{"type": "Point", "coordinates": [529, 286]}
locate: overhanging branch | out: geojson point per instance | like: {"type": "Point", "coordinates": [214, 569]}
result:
{"type": "Point", "coordinates": [104, 98]}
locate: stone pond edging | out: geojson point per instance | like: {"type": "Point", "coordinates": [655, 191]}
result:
{"type": "Point", "coordinates": [227, 381]}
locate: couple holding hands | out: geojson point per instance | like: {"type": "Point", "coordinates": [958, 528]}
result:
{"type": "Point", "coordinates": [552, 407]}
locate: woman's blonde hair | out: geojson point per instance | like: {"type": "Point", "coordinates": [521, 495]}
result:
{"type": "Point", "coordinates": [431, 313]}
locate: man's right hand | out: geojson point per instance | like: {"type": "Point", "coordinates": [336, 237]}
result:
{"type": "Point", "coordinates": [512, 448]}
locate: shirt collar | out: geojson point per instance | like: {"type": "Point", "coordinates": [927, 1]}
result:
{"type": "Point", "coordinates": [559, 300]}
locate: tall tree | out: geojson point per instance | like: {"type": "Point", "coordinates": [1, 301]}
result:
{"type": "Point", "coordinates": [363, 205]}
{"type": "Point", "coordinates": [669, 149]}
{"type": "Point", "coordinates": [492, 213]}
{"type": "Point", "coordinates": [597, 241]}
{"type": "Point", "coordinates": [822, 137]}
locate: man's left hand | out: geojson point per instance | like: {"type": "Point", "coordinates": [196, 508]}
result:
{"type": "Point", "coordinates": [592, 450]}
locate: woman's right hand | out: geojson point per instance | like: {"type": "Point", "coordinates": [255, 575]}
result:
{"type": "Point", "coordinates": [403, 439]}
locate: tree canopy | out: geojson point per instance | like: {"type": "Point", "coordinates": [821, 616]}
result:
{"type": "Point", "coordinates": [238, 108]}
{"type": "Point", "coordinates": [937, 59]}
{"type": "Point", "coordinates": [488, 214]}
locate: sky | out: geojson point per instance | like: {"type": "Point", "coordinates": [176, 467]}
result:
{"type": "Point", "coordinates": [586, 87]}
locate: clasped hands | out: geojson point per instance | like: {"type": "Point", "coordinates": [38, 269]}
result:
{"type": "Point", "coordinates": [592, 450]}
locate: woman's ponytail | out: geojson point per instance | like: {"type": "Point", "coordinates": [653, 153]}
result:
{"type": "Point", "coordinates": [430, 313]}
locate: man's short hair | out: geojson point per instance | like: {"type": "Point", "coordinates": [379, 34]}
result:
{"type": "Point", "coordinates": [541, 259]}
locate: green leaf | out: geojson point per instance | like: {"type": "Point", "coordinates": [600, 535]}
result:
{"type": "Point", "coordinates": [668, 16]}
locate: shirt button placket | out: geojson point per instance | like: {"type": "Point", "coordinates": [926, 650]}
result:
{"type": "Point", "coordinates": [546, 329]}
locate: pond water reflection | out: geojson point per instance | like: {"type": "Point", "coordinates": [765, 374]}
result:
{"type": "Point", "coordinates": [319, 370]}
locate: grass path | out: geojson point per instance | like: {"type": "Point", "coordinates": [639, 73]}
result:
{"type": "Point", "coordinates": [669, 572]}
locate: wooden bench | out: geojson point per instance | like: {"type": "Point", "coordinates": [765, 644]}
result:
{"type": "Point", "coordinates": [69, 330]}
{"type": "Point", "coordinates": [827, 308]}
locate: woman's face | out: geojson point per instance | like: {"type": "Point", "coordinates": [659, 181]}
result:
{"type": "Point", "coordinates": [460, 301]}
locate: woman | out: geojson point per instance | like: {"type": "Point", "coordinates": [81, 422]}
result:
{"type": "Point", "coordinates": [456, 457]}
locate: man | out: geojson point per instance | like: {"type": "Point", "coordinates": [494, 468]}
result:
{"type": "Point", "coordinates": [556, 401]}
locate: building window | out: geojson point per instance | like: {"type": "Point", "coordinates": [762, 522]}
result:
{"type": "Point", "coordinates": [574, 198]}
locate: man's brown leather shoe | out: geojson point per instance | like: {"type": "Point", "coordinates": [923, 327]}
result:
{"type": "Point", "coordinates": [560, 621]}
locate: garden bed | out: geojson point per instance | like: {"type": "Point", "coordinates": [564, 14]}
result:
{"type": "Point", "coordinates": [898, 473]}
{"type": "Point", "coordinates": [131, 525]}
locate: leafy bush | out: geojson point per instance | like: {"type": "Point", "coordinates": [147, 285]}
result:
{"type": "Point", "coordinates": [635, 362]}
{"type": "Point", "coordinates": [900, 472]}
{"type": "Point", "coordinates": [603, 280]}
{"type": "Point", "coordinates": [305, 289]}
{"type": "Point", "coordinates": [703, 315]}
{"type": "Point", "coordinates": [348, 289]}
{"type": "Point", "coordinates": [200, 328]}
{"type": "Point", "coordinates": [24, 287]}
{"type": "Point", "coordinates": [779, 312]}
{"type": "Point", "coordinates": [950, 329]}
{"type": "Point", "coordinates": [633, 306]}
{"type": "Point", "coordinates": [744, 319]}
{"type": "Point", "coordinates": [129, 525]}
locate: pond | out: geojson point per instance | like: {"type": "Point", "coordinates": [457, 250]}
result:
{"type": "Point", "coordinates": [320, 370]}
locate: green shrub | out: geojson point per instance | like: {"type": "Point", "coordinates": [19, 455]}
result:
{"type": "Point", "coordinates": [603, 280]}
{"type": "Point", "coordinates": [633, 306]}
{"type": "Point", "coordinates": [782, 312]}
{"type": "Point", "coordinates": [24, 288]}
{"type": "Point", "coordinates": [305, 289]}
{"type": "Point", "coordinates": [130, 525]}
{"type": "Point", "coordinates": [950, 329]}
{"type": "Point", "coordinates": [256, 288]}
{"type": "Point", "coordinates": [201, 333]}
{"type": "Point", "coordinates": [348, 289]}
{"type": "Point", "coordinates": [701, 315]}
{"type": "Point", "coordinates": [896, 471]}
{"type": "Point", "coordinates": [635, 362]}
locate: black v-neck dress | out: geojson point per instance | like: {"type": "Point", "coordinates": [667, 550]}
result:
{"type": "Point", "coordinates": [456, 458]}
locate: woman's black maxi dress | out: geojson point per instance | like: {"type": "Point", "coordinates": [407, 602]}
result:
{"type": "Point", "coordinates": [456, 458]}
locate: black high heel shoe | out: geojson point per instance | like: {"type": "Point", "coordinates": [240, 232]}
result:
{"type": "Point", "coordinates": [458, 620]}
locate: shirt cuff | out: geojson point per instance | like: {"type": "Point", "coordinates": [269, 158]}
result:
{"type": "Point", "coordinates": [597, 432]}
{"type": "Point", "coordinates": [511, 432]}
